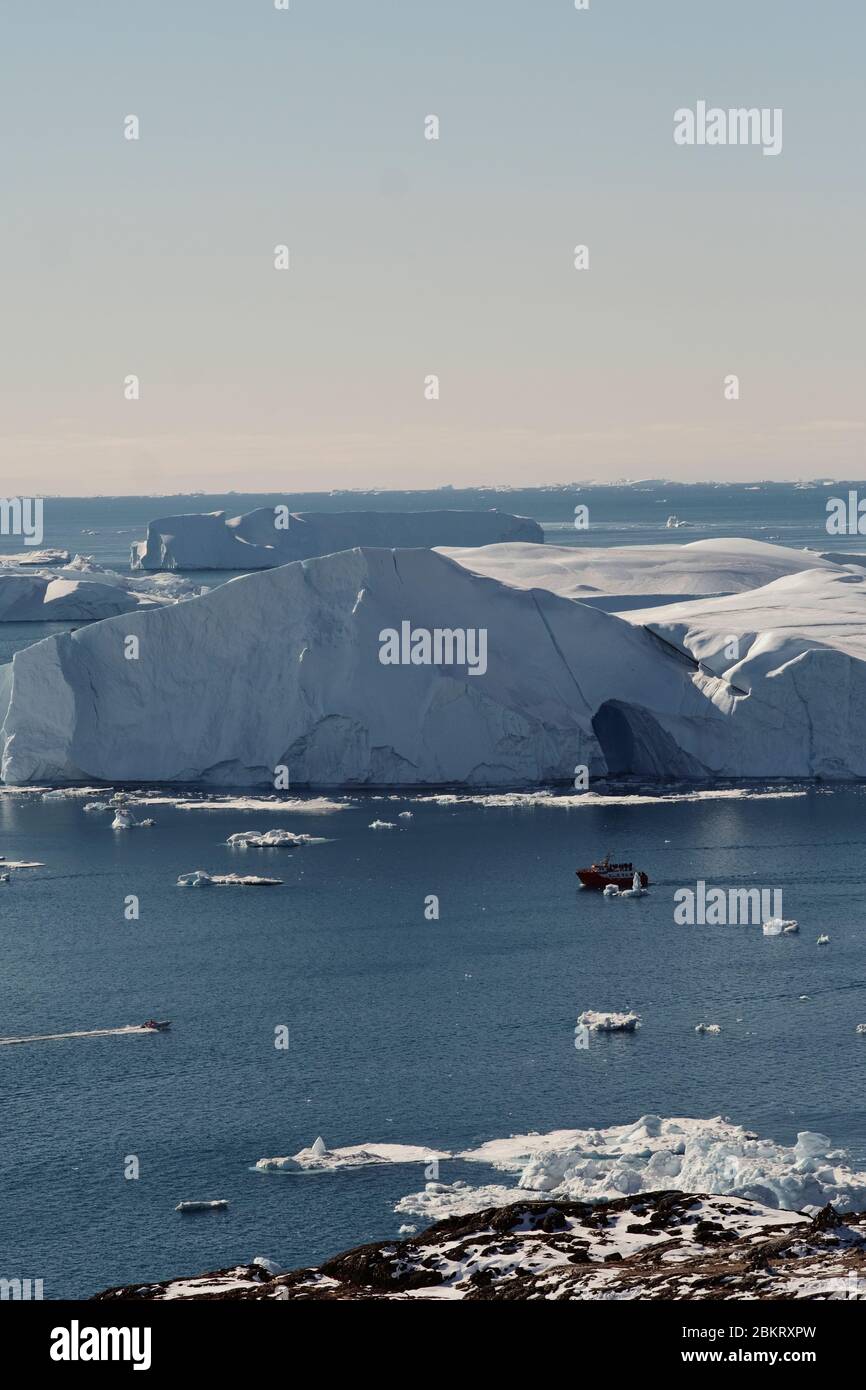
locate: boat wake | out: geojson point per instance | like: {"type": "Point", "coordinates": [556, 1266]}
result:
{"type": "Point", "coordinates": [86, 1033]}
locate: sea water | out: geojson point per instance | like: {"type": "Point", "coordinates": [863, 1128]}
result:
{"type": "Point", "coordinates": [401, 1028]}
{"type": "Point", "coordinates": [444, 1032]}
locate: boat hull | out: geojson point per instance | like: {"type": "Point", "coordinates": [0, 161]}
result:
{"type": "Point", "coordinates": [591, 878]}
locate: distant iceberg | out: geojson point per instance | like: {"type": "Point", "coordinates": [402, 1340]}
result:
{"type": "Point", "coordinates": [199, 879]}
{"type": "Point", "coordinates": [272, 536]}
{"type": "Point", "coordinates": [82, 591]}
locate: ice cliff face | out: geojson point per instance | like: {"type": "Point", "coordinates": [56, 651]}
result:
{"type": "Point", "coordinates": [272, 536]}
{"type": "Point", "coordinates": [283, 669]}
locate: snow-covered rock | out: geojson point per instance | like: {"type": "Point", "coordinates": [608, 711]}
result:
{"type": "Point", "coordinates": [272, 536]}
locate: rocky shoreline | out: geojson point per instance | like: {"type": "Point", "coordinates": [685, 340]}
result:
{"type": "Point", "coordinates": [658, 1245]}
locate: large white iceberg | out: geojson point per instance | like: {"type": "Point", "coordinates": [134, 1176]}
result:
{"type": "Point", "coordinates": [282, 670]}
{"type": "Point", "coordinates": [655, 1154]}
{"type": "Point", "coordinates": [272, 536]}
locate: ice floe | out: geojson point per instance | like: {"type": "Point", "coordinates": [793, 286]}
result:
{"type": "Point", "coordinates": [199, 879]}
{"type": "Point", "coordinates": [381, 825]}
{"type": "Point", "coordinates": [610, 1022]}
{"type": "Point", "coordinates": [220, 1204]}
{"type": "Point", "coordinates": [708, 1028]}
{"type": "Point", "coordinates": [320, 1159]}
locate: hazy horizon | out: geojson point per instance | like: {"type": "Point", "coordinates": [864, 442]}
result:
{"type": "Point", "coordinates": [412, 257]}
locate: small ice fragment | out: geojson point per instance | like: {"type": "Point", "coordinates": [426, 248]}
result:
{"type": "Point", "coordinates": [219, 1205]}
{"type": "Point", "coordinates": [780, 926]}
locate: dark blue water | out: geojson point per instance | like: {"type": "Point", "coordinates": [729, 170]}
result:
{"type": "Point", "coordinates": [402, 1030]}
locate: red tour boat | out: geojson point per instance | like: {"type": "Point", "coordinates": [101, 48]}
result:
{"type": "Point", "coordinates": [605, 872]}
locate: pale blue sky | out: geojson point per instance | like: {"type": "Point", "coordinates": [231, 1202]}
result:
{"type": "Point", "coordinates": [412, 257]}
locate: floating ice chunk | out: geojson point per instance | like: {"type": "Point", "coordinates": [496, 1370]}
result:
{"type": "Point", "coordinates": [861, 1029]}
{"type": "Point", "coordinates": [272, 839]}
{"type": "Point", "coordinates": [611, 890]}
{"type": "Point", "coordinates": [712, 1156]}
{"type": "Point", "coordinates": [637, 889]}
{"type": "Point", "coordinates": [219, 1205]}
{"type": "Point", "coordinates": [708, 1028]}
{"type": "Point", "coordinates": [609, 1023]}
{"type": "Point", "coordinates": [823, 940]}
{"type": "Point", "coordinates": [407, 1230]}
{"type": "Point", "coordinates": [199, 879]}
{"type": "Point", "coordinates": [93, 807]}
{"type": "Point", "coordinates": [125, 820]}
{"type": "Point", "coordinates": [405, 815]}
{"type": "Point", "coordinates": [324, 1160]}
{"type": "Point", "coordinates": [780, 926]}
{"type": "Point", "coordinates": [381, 825]}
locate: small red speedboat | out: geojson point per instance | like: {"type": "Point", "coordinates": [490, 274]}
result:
{"type": "Point", "coordinates": [606, 872]}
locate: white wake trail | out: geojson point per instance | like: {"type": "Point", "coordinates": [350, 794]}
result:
{"type": "Point", "coordinates": [87, 1033]}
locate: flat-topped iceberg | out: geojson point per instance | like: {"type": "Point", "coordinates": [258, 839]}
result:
{"type": "Point", "coordinates": [272, 536]}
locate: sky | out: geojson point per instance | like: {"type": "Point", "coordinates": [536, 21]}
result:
{"type": "Point", "coordinates": [412, 258]}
